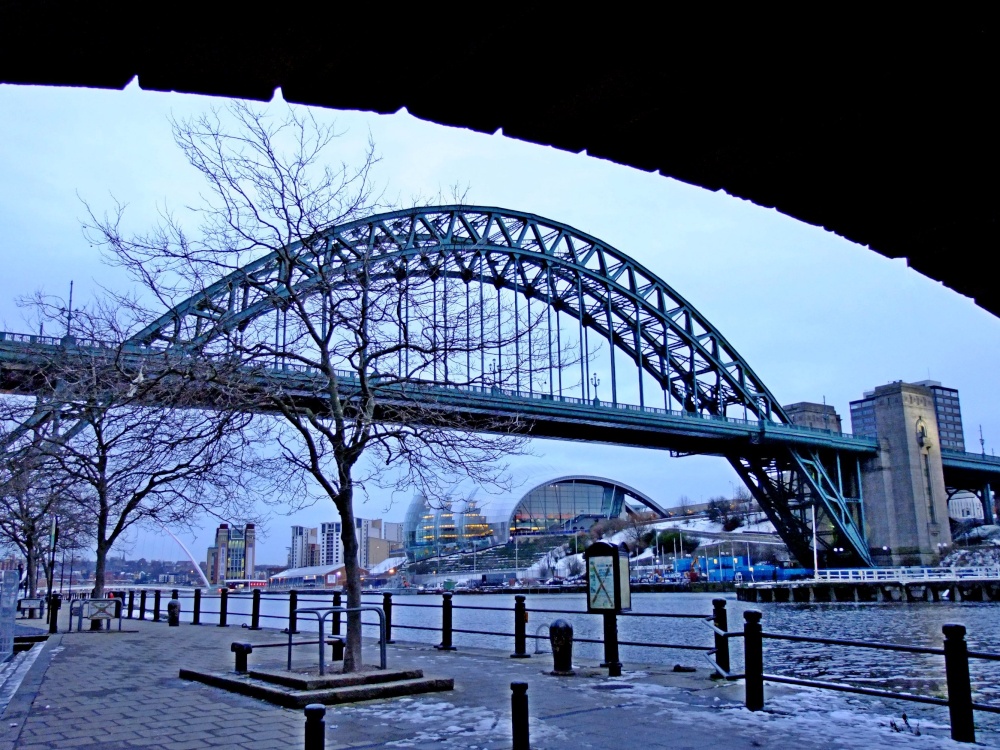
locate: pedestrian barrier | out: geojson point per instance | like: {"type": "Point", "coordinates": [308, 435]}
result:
{"type": "Point", "coordinates": [955, 650]}
{"type": "Point", "coordinates": [956, 655]}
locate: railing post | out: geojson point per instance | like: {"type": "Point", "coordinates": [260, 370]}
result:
{"type": "Point", "coordinates": [337, 602]}
{"type": "Point", "coordinates": [956, 665]}
{"type": "Point", "coordinates": [142, 604]}
{"type": "Point", "coordinates": [315, 727]}
{"type": "Point", "coordinates": [519, 715]}
{"type": "Point", "coordinates": [255, 611]}
{"type": "Point", "coordinates": [721, 620]}
{"type": "Point", "coordinates": [753, 659]}
{"type": "Point", "coordinates": [131, 603]}
{"type": "Point", "coordinates": [445, 623]}
{"type": "Point", "coordinates": [156, 605]}
{"type": "Point", "coordinates": [611, 660]}
{"type": "Point", "coordinates": [520, 626]}
{"type": "Point", "coordinates": [223, 608]}
{"type": "Point", "coordinates": [196, 611]}
{"type": "Point", "coordinates": [293, 604]}
{"type": "Point", "coordinates": [387, 609]}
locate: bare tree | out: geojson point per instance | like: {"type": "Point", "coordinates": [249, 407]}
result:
{"type": "Point", "coordinates": [637, 529]}
{"type": "Point", "coordinates": [33, 492]}
{"type": "Point", "coordinates": [356, 345]}
{"type": "Point", "coordinates": [138, 437]}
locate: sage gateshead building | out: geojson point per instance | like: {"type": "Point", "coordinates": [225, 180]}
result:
{"type": "Point", "coordinates": [565, 505]}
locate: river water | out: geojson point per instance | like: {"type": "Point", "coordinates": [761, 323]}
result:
{"type": "Point", "coordinates": [916, 624]}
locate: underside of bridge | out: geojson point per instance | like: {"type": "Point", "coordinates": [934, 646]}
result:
{"type": "Point", "coordinates": [877, 128]}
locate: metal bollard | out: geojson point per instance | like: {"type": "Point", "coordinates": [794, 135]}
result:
{"type": "Point", "coordinates": [55, 602]}
{"type": "Point", "coordinates": [335, 617]}
{"type": "Point", "coordinates": [753, 660]}
{"type": "Point", "coordinates": [223, 608]}
{"type": "Point", "coordinates": [445, 623]}
{"type": "Point", "coordinates": [196, 610]}
{"type": "Point", "coordinates": [956, 665]}
{"type": "Point", "coordinates": [561, 639]}
{"type": "Point", "coordinates": [142, 604]}
{"type": "Point", "coordinates": [131, 603]}
{"type": "Point", "coordinates": [519, 715]}
{"type": "Point", "coordinates": [611, 660]}
{"type": "Point", "coordinates": [721, 620]}
{"type": "Point", "coordinates": [255, 611]}
{"type": "Point", "coordinates": [337, 649]}
{"type": "Point", "coordinates": [387, 609]}
{"type": "Point", "coordinates": [293, 604]}
{"type": "Point", "coordinates": [520, 625]}
{"type": "Point", "coordinates": [156, 605]}
{"type": "Point", "coordinates": [173, 610]}
{"type": "Point", "coordinates": [315, 727]}
{"type": "Point", "coordinates": [241, 650]}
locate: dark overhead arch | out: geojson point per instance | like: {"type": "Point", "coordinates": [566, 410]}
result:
{"type": "Point", "coordinates": [879, 129]}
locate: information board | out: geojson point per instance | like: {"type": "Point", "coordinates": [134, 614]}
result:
{"type": "Point", "coordinates": [601, 583]}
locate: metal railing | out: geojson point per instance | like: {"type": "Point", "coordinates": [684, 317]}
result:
{"type": "Point", "coordinates": [955, 652]}
{"type": "Point", "coordinates": [491, 392]}
{"type": "Point", "coordinates": [907, 574]}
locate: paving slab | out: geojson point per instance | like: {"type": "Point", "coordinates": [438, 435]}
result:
{"type": "Point", "coordinates": [112, 689]}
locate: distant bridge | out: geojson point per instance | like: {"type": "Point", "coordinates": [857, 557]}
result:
{"type": "Point", "coordinates": [650, 339]}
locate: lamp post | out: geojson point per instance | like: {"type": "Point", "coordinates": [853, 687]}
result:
{"type": "Point", "coordinates": [595, 381]}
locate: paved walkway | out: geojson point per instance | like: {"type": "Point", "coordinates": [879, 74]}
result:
{"type": "Point", "coordinates": [121, 690]}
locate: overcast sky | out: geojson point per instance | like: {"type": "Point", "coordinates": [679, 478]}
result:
{"type": "Point", "coordinates": [816, 316]}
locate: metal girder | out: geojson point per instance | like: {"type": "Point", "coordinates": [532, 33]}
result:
{"type": "Point", "coordinates": [646, 319]}
{"type": "Point", "coordinates": [571, 272]}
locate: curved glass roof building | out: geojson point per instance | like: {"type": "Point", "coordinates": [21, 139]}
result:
{"type": "Point", "coordinates": [558, 506]}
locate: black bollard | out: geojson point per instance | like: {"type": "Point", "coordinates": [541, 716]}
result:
{"type": "Point", "coordinates": [561, 638]}
{"type": "Point", "coordinates": [611, 660]}
{"type": "Point", "coordinates": [520, 624]}
{"type": "Point", "coordinates": [224, 608]}
{"type": "Point", "coordinates": [255, 611]}
{"type": "Point", "coordinates": [173, 610]}
{"type": "Point", "coordinates": [445, 623]}
{"type": "Point", "coordinates": [142, 604]}
{"type": "Point", "coordinates": [956, 666]}
{"type": "Point", "coordinates": [335, 617]}
{"type": "Point", "coordinates": [241, 650]}
{"type": "Point", "coordinates": [387, 608]}
{"type": "Point", "coordinates": [131, 603]}
{"type": "Point", "coordinates": [293, 604]}
{"type": "Point", "coordinates": [721, 621]}
{"type": "Point", "coordinates": [519, 715]}
{"type": "Point", "coordinates": [753, 660]}
{"type": "Point", "coordinates": [54, 604]}
{"type": "Point", "coordinates": [315, 727]}
{"type": "Point", "coordinates": [156, 605]}
{"type": "Point", "coordinates": [196, 610]}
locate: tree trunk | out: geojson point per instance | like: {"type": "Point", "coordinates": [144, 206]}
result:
{"type": "Point", "coordinates": [31, 559]}
{"type": "Point", "coordinates": [99, 572]}
{"type": "Point", "coordinates": [352, 580]}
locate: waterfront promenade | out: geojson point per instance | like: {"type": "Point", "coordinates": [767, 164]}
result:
{"type": "Point", "coordinates": [114, 690]}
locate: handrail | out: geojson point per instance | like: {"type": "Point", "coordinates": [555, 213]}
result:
{"type": "Point", "coordinates": [321, 613]}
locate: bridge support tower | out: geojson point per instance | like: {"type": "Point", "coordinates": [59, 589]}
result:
{"type": "Point", "coordinates": [905, 499]}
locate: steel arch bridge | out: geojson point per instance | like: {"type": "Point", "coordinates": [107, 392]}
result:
{"type": "Point", "coordinates": [654, 343]}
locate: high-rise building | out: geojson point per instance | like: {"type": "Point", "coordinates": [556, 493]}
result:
{"type": "Point", "coordinates": [234, 554]}
{"type": "Point", "coordinates": [300, 553]}
{"type": "Point", "coordinates": [331, 547]}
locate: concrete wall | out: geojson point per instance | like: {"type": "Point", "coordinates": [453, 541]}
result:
{"type": "Point", "coordinates": [905, 502]}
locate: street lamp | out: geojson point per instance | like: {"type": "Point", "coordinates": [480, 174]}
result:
{"type": "Point", "coordinates": [595, 381]}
